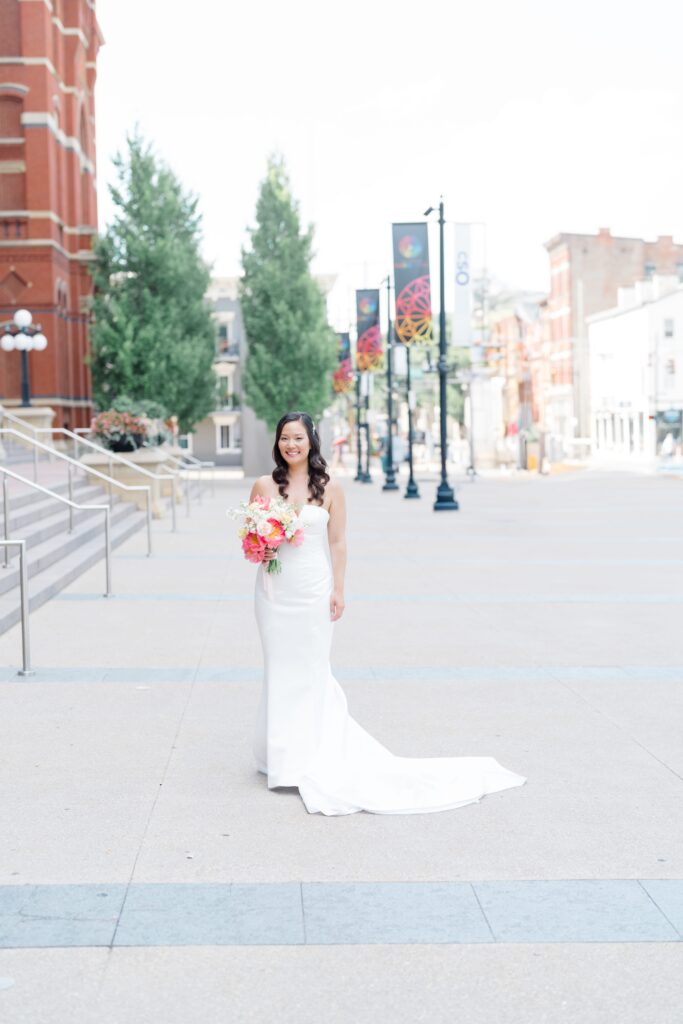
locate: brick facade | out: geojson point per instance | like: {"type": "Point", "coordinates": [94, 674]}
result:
{"type": "Point", "coordinates": [585, 273]}
{"type": "Point", "coordinates": [48, 202]}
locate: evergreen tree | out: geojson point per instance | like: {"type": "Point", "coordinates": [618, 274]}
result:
{"type": "Point", "coordinates": [153, 336]}
{"type": "Point", "coordinates": [292, 350]}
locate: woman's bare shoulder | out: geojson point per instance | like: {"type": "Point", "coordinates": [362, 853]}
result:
{"type": "Point", "coordinates": [264, 485]}
{"type": "Point", "coordinates": [334, 489]}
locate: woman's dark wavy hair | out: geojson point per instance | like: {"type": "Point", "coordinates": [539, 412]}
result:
{"type": "Point", "coordinates": [317, 467]}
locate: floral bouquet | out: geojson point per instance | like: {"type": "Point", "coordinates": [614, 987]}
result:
{"type": "Point", "coordinates": [268, 523]}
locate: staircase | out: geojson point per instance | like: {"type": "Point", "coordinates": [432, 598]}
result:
{"type": "Point", "coordinates": [54, 556]}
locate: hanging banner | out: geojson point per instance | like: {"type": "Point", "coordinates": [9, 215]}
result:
{"type": "Point", "coordinates": [342, 378]}
{"type": "Point", "coordinates": [462, 309]}
{"type": "Point", "coordinates": [411, 282]}
{"type": "Point", "coordinates": [369, 355]}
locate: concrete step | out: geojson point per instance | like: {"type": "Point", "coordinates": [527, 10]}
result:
{"type": "Point", "coordinates": [46, 545]}
{"type": "Point", "coordinates": [68, 566]}
{"type": "Point", "coordinates": [52, 524]}
{"type": "Point", "coordinates": [25, 513]}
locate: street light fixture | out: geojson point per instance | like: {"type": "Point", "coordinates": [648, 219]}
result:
{"type": "Point", "coordinates": [445, 499]}
{"type": "Point", "coordinates": [389, 474]}
{"type": "Point", "coordinates": [23, 336]}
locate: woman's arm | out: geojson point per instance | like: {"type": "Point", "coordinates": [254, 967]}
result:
{"type": "Point", "coordinates": [336, 532]}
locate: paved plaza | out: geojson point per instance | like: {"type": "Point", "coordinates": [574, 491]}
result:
{"type": "Point", "coordinates": [147, 874]}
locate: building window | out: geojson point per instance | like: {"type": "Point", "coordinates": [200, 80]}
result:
{"type": "Point", "coordinates": [679, 271]}
{"type": "Point", "coordinates": [649, 270]}
{"type": "Point", "coordinates": [228, 437]}
{"type": "Point", "coordinates": [668, 328]}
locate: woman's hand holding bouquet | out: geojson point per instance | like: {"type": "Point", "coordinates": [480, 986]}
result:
{"type": "Point", "coordinates": [268, 523]}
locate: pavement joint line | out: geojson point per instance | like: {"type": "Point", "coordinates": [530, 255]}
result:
{"type": "Point", "coordinates": [491, 911]}
{"type": "Point", "coordinates": [677, 929]}
{"type": "Point", "coordinates": [623, 674]}
{"type": "Point", "coordinates": [483, 913]}
{"type": "Point", "coordinates": [617, 725]}
{"type": "Point", "coordinates": [418, 598]}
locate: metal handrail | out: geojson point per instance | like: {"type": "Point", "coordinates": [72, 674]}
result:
{"type": "Point", "coordinates": [26, 669]}
{"type": "Point", "coordinates": [111, 481]}
{"type": "Point", "coordinates": [66, 501]}
{"type": "Point", "coordinates": [201, 464]}
{"type": "Point", "coordinates": [112, 456]}
{"type": "Point", "coordinates": [76, 435]}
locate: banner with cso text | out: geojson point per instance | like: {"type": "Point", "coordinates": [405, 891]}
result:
{"type": "Point", "coordinates": [462, 308]}
{"type": "Point", "coordinates": [412, 284]}
{"type": "Point", "coordinates": [342, 378]}
{"type": "Point", "coordinates": [369, 355]}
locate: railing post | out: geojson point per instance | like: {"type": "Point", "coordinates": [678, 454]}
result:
{"type": "Point", "coordinates": [26, 669]}
{"type": "Point", "coordinates": [111, 499]}
{"type": "Point", "coordinates": [71, 497]}
{"type": "Point", "coordinates": [174, 497]}
{"type": "Point", "coordinates": [149, 521]}
{"type": "Point", "coordinates": [187, 492]}
{"type": "Point", "coordinates": [107, 550]}
{"type": "Point", "coordinates": [5, 514]}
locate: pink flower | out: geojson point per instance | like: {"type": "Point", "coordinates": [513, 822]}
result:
{"type": "Point", "coordinates": [297, 538]}
{"type": "Point", "coordinates": [253, 547]}
{"type": "Point", "coordinates": [276, 535]}
{"type": "Point", "coordinates": [262, 501]}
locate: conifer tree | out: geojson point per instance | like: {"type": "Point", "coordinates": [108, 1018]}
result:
{"type": "Point", "coordinates": [291, 348]}
{"type": "Point", "coordinates": [153, 336]}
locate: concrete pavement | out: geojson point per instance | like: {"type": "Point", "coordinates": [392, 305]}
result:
{"type": "Point", "coordinates": [146, 872]}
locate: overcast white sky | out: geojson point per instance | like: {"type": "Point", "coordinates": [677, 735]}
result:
{"type": "Point", "coordinates": [533, 116]}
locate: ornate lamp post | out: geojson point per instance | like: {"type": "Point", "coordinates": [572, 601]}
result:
{"type": "Point", "coordinates": [389, 476]}
{"type": "Point", "coordinates": [445, 498]}
{"type": "Point", "coordinates": [412, 490]}
{"type": "Point", "coordinates": [359, 463]}
{"type": "Point", "coordinates": [21, 334]}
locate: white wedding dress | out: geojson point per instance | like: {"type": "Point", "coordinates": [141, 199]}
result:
{"type": "Point", "coordinates": [305, 736]}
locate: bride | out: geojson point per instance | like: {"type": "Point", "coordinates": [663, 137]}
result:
{"type": "Point", "coordinates": [305, 736]}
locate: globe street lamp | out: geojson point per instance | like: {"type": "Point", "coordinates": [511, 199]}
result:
{"type": "Point", "coordinates": [24, 336]}
{"type": "Point", "coordinates": [445, 498]}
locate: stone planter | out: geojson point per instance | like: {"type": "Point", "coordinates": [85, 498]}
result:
{"type": "Point", "coordinates": [37, 416]}
{"type": "Point", "coordinates": [152, 459]}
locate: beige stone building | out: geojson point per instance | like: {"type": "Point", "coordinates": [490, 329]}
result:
{"type": "Point", "coordinates": [232, 435]}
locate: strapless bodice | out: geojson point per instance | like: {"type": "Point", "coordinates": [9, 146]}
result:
{"type": "Point", "coordinates": [314, 525]}
{"type": "Point", "coordinates": [306, 569]}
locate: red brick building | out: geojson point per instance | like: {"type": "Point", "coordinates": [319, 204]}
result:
{"type": "Point", "coordinates": [48, 204]}
{"type": "Point", "coordinates": [585, 273]}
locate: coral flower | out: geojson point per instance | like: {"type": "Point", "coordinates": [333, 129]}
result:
{"type": "Point", "coordinates": [253, 547]}
{"type": "Point", "coordinates": [276, 535]}
{"type": "Point", "coordinates": [297, 538]}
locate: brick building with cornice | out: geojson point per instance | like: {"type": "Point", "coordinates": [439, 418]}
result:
{"type": "Point", "coordinates": [48, 202]}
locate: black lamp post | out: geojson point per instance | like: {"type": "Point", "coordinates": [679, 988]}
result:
{"type": "Point", "coordinates": [445, 498]}
{"type": "Point", "coordinates": [359, 464]}
{"type": "Point", "coordinates": [365, 477]}
{"type": "Point", "coordinates": [21, 334]}
{"type": "Point", "coordinates": [389, 474]}
{"type": "Point", "coordinates": [412, 489]}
